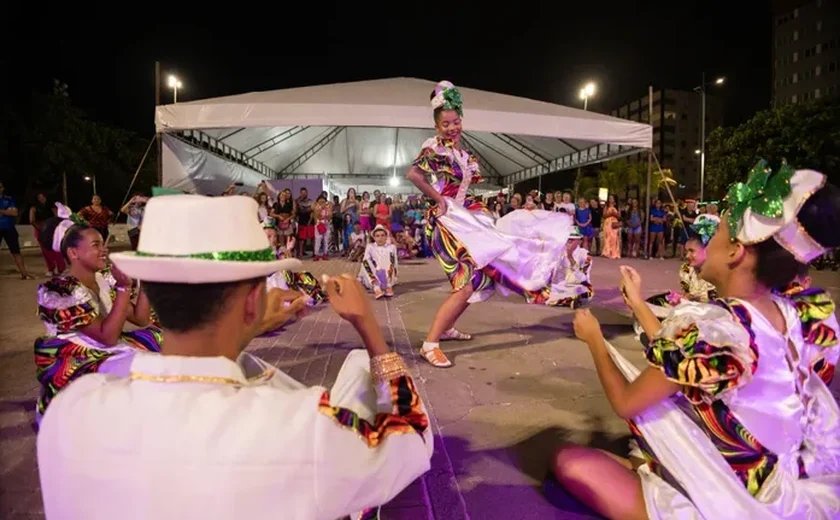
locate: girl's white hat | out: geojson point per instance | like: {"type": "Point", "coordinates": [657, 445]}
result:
{"type": "Point", "coordinates": [195, 239]}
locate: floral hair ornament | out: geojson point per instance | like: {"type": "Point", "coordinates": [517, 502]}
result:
{"type": "Point", "coordinates": [447, 97]}
{"type": "Point", "coordinates": [269, 223]}
{"type": "Point", "coordinates": [68, 220]}
{"type": "Point", "coordinates": [768, 204]}
{"type": "Point", "coordinates": [705, 226]}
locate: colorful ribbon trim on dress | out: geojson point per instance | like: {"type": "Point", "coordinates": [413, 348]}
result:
{"type": "Point", "coordinates": [407, 414]}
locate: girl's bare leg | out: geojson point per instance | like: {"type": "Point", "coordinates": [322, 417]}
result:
{"type": "Point", "coordinates": [604, 482]}
{"type": "Point", "coordinates": [448, 313]}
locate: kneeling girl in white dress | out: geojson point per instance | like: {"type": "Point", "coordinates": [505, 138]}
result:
{"type": "Point", "coordinates": [571, 286]}
{"type": "Point", "coordinates": [693, 286]}
{"type": "Point", "coordinates": [733, 417]}
{"type": "Point", "coordinates": [379, 265]}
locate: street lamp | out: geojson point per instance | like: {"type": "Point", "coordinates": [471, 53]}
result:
{"type": "Point", "coordinates": [92, 179]}
{"type": "Point", "coordinates": [174, 84]}
{"type": "Point", "coordinates": [702, 90]}
{"type": "Point", "coordinates": [587, 92]}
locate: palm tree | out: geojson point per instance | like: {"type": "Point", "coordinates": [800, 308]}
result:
{"type": "Point", "coordinates": [616, 176]}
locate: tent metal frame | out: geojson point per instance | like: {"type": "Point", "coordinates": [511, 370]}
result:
{"type": "Point", "coordinates": [579, 158]}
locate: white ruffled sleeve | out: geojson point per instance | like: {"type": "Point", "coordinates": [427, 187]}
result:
{"type": "Point", "coordinates": [705, 348]}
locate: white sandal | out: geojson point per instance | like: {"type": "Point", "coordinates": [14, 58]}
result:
{"type": "Point", "coordinates": [454, 334]}
{"type": "Point", "coordinates": [436, 357]}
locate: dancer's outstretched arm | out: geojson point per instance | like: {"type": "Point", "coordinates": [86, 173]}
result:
{"type": "Point", "coordinates": [631, 284]}
{"type": "Point", "coordinates": [626, 399]}
{"type": "Point", "coordinates": [418, 178]}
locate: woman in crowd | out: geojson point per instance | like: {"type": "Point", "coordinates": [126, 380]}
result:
{"type": "Point", "coordinates": [634, 228]}
{"type": "Point", "coordinates": [85, 311]}
{"type": "Point", "coordinates": [611, 230]}
{"type": "Point", "coordinates": [97, 216]}
{"type": "Point", "coordinates": [322, 216]}
{"type": "Point", "coordinates": [382, 212]}
{"type": "Point", "coordinates": [596, 211]}
{"type": "Point", "coordinates": [657, 230]}
{"type": "Point", "coordinates": [350, 206]}
{"type": "Point", "coordinates": [305, 220]}
{"type": "Point", "coordinates": [283, 214]}
{"type": "Point", "coordinates": [548, 204]}
{"type": "Point", "coordinates": [733, 418]}
{"type": "Point", "coordinates": [39, 213]}
{"type": "Point", "coordinates": [365, 217]}
{"type": "Point", "coordinates": [583, 220]}
{"type": "Point", "coordinates": [264, 206]}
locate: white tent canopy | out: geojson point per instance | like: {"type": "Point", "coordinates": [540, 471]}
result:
{"type": "Point", "coordinates": [364, 132]}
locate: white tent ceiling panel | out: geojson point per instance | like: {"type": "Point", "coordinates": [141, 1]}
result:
{"type": "Point", "coordinates": [383, 123]}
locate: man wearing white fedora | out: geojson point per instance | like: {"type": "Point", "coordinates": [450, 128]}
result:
{"type": "Point", "coordinates": [203, 430]}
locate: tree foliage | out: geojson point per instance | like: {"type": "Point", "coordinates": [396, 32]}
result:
{"type": "Point", "coordinates": [48, 137]}
{"type": "Point", "coordinates": [807, 135]}
{"type": "Point", "coordinates": [625, 178]}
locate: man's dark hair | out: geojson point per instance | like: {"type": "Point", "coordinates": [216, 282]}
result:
{"type": "Point", "coordinates": [185, 307]}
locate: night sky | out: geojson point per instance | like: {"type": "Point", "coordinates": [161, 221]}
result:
{"type": "Point", "coordinates": [544, 52]}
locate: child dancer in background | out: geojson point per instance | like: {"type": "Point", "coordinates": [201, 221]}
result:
{"type": "Point", "coordinates": [302, 281]}
{"type": "Point", "coordinates": [693, 287]}
{"type": "Point", "coordinates": [583, 220]}
{"type": "Point", "coordinates": [379, 266]}
{"type": "Point", "coordinates": [406, 246]}
{"type": "Point", "coordinates": [358, 241]}
{"type": "Point", "coordinates": [572, 287]}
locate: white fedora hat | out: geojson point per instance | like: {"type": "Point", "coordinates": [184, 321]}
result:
{"type": "Point", "coordinates": [196, 239]}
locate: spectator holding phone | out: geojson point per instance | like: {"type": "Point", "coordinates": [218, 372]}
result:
{"type": "Point", "coordinates": [134, 209]}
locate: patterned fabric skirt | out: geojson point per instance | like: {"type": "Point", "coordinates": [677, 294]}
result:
{"type": "Point", "coordinates": [304, 281]}
{"type": "Point", "coordinates": [58, 361]}
{"type": "Point", "coordinates": [462, 269]}
{"type": "Point", "coordinates": [569, 295]}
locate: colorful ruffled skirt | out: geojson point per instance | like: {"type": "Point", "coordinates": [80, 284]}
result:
{"type": "Point", "coordinates": [61, 359]}
{"type": "Point", "coordinates": [518, 253]}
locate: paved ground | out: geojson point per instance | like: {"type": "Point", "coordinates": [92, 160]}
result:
{"type": "Point", "coordinates": [523, 385]}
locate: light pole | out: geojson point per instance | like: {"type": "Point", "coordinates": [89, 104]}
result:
{"type": "Point", "coordinates": [91, 179]}
{"type": "Point", "coordinates": [174, 84]}
{"type": "Point", "coordinates": [587, 92]}
{"type": "Point", "coordinates": [702, 90]}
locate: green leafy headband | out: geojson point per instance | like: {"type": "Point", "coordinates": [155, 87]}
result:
{"type": "Point", "coordinates": [705, 229]}
{"type": "Point", "coordinates": [764, 193]}
{"type": "Point", "coordinates": [448, 97]}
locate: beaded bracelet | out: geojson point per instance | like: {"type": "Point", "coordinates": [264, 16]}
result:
{"type": "Point", "coordinates": [386, 367]}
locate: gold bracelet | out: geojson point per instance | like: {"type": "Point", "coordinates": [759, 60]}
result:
{"type": "Point", "coordinates": [386, 367]}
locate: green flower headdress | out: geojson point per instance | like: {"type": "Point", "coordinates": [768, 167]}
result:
{"type": "Point", "coordinates": [768, 205]}
{"type": "Point", "coordinates": [447, 97]}
{"type": "Point", "coordinates": [705, 227]}
{"type": "Point", "coordinates": [764, 194]}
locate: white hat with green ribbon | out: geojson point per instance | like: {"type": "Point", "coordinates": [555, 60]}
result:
{"type": "Point", "coordinates": [195, 239]}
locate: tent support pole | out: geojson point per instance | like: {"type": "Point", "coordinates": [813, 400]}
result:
{"type": "Point", "coordinates": [649, 171]}
{"type": "Point", "coordinates": [158, 136]}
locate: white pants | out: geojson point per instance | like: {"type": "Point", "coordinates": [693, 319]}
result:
{"type": "Point", "coordinates": [322, 242]}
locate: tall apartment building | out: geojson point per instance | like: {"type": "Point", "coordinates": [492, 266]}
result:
{"type": "Point", "coordinates": [676, 131]}
{"type": "Point", "coordinates": [806, 50]}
